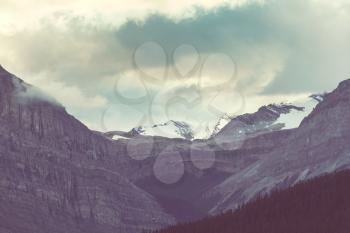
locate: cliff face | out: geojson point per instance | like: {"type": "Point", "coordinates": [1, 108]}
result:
{"type": "Point", "coordinates": [58, 176]}
{"type": "Point", "coordinates": [320, 145]}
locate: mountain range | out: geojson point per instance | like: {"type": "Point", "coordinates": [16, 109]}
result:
{"type": "Point", "coordinates": [271, 117]}
{"type": "Point", "coordinates": [56, 175]}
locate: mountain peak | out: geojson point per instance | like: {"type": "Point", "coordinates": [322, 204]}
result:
{"type": "Point", "coordinates": [169, 129]}
{"type": "Point", "coordinates": [6, 81]}
{"type": "Point", "coordinates": [335, 103]}
{"type": "Point", "coordinates": [272, 117]}
{"type": "Point", "coordinates": [3, 70]}
{"type": "Point", "coordinates": [344, 84]}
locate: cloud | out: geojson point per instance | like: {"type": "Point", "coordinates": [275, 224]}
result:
{"type": "Point", "coordinates": [317, 35]}
{"type": "Point", "coordinates": [26, 93]}
{"type": "Point", "coordinates": [78, 50]}
{"type": "Point", "coordinates": [112, 12]}
{"type": "Point", "coordinates": [289, 46]}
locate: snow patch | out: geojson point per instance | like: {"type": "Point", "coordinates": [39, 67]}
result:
{"type": "Point", "coordinates": [117, 137]}
{"type": "Point", "coordinates": [170, 129]}
{"type": "Point", "coordinates": [294, 118]}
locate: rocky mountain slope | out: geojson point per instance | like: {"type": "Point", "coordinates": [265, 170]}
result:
{"type": "Point", "coordinates": [240, 170]}
{"type": "Point", "coordinates": [320, 205]}
{"type": "Point", "coordinates": [318, 146]}
{"type": "Point", "coordinates": [58, 176]}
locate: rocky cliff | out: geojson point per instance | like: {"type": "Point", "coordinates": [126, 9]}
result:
{"type": "Point", "coordinates": [58, 176]}
{"type": "Point", "coordinates": [318, 146]}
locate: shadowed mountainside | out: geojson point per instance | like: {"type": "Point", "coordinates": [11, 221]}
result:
{"type": "Point", "coordinates": [320, 205]}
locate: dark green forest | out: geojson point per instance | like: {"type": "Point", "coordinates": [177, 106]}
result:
{"type": "Point", "coordinates": [320, 205]}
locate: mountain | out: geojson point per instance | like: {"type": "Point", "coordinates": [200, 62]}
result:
{"type": "Point", "coordinates": [282, 158]}
{"type": "Point", "coordinates": [58, 176]}
{"type": "Point", "coordinates": [320, 205]}
{"type": "Point", "coordinates": [268, 118]}
{"type": "Point", "coordinates": [169, 129]}
{"type": "Point", "coordinates": [272, 117]}
{"type": "Point", "coordinates": [219, 178]}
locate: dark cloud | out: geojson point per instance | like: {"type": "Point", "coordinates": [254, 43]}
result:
{"type": "Point", "coordinates": [307, 34]}
{"type": "Point", "coordinates": [215, 31]}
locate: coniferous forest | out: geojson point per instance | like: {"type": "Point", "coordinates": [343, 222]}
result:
{"type": "Point", "coordinates": [320, 205]}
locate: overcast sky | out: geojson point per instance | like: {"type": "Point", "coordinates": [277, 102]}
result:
{"type": "Point", "coordinates": [117, 64]}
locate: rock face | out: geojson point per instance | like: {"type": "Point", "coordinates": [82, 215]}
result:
{"type": "Point", "coordinates": [320, 145]}
{"type": "Point", "coordinates": [58, 176]}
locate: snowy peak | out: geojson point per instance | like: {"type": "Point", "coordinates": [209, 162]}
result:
{"type": "Point", "coordinates": [268, 118]}
{"type": "Point", "coordinates": [268, 114]}
{"type": "Point", "coordinates": [169, 129]}
{"type": "Point", "coordinates": [279, 109]}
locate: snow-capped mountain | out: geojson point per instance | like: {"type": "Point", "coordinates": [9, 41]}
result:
{"type": "Point", "coordinates": [294, 117]}
{"type": "Point", "coordinates": [76, 180]}
{"type": "Point", "coordinates": [169, 129]}
{"type": "Point", "coordinates": [283, 158]}
{"type": "Point", "coordinates": [264, 120]}
{"type": "Point", "coordinates": [268, 118]}
{"type": "Point", "coordinates": [272, 117]}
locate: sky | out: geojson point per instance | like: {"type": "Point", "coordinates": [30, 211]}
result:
{"type": "Point", "coordinates": [115, 65]}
